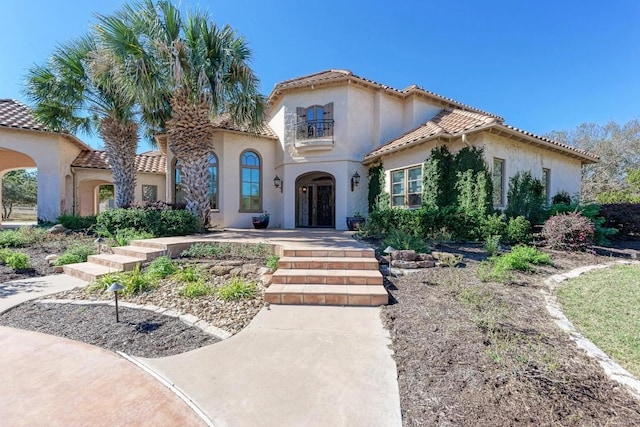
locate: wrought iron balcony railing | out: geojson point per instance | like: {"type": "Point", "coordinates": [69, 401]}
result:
{"type": "Point", "coordinates": [314, 129]}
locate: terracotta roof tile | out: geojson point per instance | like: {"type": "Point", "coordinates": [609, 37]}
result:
{"type": "Point", "coordinates": [446, 122]}
{"type": "Point", "coordinates": [224, 122]}
{"type": "Point", "coordinates": [15, 114]}
{"type": "Point", "coordinates": [344, 75]}
{"type": "Point", "coordinates": [151, 161]}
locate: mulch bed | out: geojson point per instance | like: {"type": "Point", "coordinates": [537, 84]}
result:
{"type": "Point", "coordinates": [474, 353]}
{"type": "Point", "coordinates": [139, 333]}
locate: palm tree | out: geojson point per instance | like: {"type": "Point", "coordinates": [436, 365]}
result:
{"type": "Point", "coordinates": [185, 73]}
{"type": "Point", "coordinates": [75, 92]}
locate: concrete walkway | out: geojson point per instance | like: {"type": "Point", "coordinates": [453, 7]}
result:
{"type": "Point", "coordinates": [18, 291]}
{"type": "Point", "coordinates": [294, 366]}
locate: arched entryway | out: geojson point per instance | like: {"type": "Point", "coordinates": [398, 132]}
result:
{"type": "Point", "coordinates": [315, 200]}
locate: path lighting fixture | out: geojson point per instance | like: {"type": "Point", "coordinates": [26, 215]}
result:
{"type": "Point", "coordinates": [99, 242]}
{"type": "Point", "coordinates": [389, 251]}
{"type": "Point", "coordinates": [277, 182]}
{"type": "Point", "coordinates": [115, 287]}
{"type": "Point", "coordinates": [355, 181]}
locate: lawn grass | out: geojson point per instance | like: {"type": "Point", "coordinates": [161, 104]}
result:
{"type": "Point", "coordinates": [604, 305]}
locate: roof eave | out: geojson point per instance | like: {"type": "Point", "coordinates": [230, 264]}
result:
{"type": "Point", "coordinates": [72, 138]}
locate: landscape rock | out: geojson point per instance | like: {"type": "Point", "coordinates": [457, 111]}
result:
{"type": "Point", "coordinates": [446, 257]}
{"type": "Point", "coordinates": [426, 264]}
{"type": "Point", "coordinates": [384, 260]}
{"type": "Point", "coordinates": [51, 259]}
{"type": "Point", "coordinates": [424, 257]}
{"type": "Point", "coordinates": [57, 229]}
{"type": "Point", "coordinates": [406, 255]}
{"type": "Point", "coordinates": [404, 264]}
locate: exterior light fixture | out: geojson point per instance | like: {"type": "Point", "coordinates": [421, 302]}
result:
{"type": "Point", "coordinates": [277, 182]}
{"type": "Point", "coordinates": [115, 287]}
{"type": "Point", "coordinates": [355, 181]}
{"type": "Point", "coordinates": [99, 242]}
{"type": "Point", "coordinates": [389, 251]}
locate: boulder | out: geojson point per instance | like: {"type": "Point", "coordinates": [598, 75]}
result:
{"type": "Point", "coordinates": [57, 229]}
{"type": "Point", "coordinates": [404, 264]}
{"type": "Point", "coordinates": [384, 260]}
{"type": "Point", "coordinates": [404, 255]}
{"type": "Point", "coordinates": [424, 257]}
{"type": "Point", "coordinates": [51, 258]}
{"type": "Point", "coordinates": [426, 264]}
{"type": "Point", "coordinates": [446, 257]}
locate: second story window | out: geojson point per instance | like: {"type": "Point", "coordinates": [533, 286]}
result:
{"type": "Point", "coordinates": [314, 122]}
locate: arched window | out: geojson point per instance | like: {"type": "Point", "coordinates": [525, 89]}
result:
{"type": "Point", "coordinates": [213, 182]}
{"type": "Point", "coordinates": [251, 182]}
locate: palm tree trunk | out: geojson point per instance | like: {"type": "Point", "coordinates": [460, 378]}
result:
{"type": "Point", "coordinates": [190, 136]}
{"type": "Point", "coordinates": [121, 143]}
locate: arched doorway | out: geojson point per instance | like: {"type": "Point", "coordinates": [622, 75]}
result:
{"type": "Point", "coordinates": [315, 200]}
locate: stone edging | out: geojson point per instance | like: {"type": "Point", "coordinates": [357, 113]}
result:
{"type": "Point", "coordinates": [612, 369]}
{"type": "Point", "coordinates": [189, 319]}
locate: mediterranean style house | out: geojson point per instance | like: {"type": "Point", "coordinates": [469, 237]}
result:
{"type": "Point", "coordinates": [309, 165]}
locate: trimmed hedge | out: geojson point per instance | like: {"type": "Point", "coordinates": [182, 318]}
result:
{"type": "Point", "coordinates": [77, 222]}
{"type": "Point", "coordinates": [158, 219]}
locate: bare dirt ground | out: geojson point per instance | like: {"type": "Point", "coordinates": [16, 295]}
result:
{"type": "Point", "coordinates": [474, 353]}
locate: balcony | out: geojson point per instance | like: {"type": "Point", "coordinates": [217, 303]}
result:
{"type": "Point", "coordinates": [314, 135]}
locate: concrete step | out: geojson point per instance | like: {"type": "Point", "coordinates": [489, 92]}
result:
{"type": "Point", "coordinates": [327, 277]}
{"type": "Point", "coordinates": [148, 254]}
{"type": "Point", "coordinates": [329, 263]}
{"type": "Point", "coordinates": [337, 253]}
{"type": "Point", "coordinates": [367, 295]}
{"type": "Point", "coordinates": [172, 247]}
{"type": "Point", "coordinates": [115, 261]}
{"type": "Point", "coordinates": [87, 271]}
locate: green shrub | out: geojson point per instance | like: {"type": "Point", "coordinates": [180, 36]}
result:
{"type": "Point", "coordinates": [177, 223]}
{"type": "Point", "coordinates": [75, 254]}
{"type": "Point", "coordinates": [103, 282]}
{"type": "Point", "coordinates": [202, 250]}
{"type": "Point", "coordinates": [272, 262]}
{"type": "Point", "coordinates": [77, 222]}
{"type": "Point", "coordinates": [18, 261]}
{"type": "Point", "coordinates": [161, 267]}
{"type": "Point", "coordinates": [188, 274]}
{"type": "Point", "coordinates": [376, 185]}
{"type": "Point", "coordinates": [135, 281]}
{"type": "Point", "coordinates": [568, 231]}
{"type": "Point", "coordinates": [21, 237]}
{"type": "Point", "coordinates": [126, 235]}
{"type": "Point", "coordinates": [237, 288]}
{"type": "Point", "coordinates": [4, 253]}
{"type": "Point", "coordinates": [521, 258]}
{"type": "Point", "coordinates": [561, 197]}
{"type": "Point", "coordinates": [196, 290]}
{"type": "Point", "coordinates": [492, 244]}
{"type": "Point", "coordinates": [494, 225]}
{"type": "Point", "coordinates": [526, 198]}
{"type": "Point", "coordinates": [401, 240]}
{"type": "Point", "coordinates": [147, 219]}
{"type": "Point", "coordinates": [518, 230]}
{"type": "Point", "coordinates": [591, 211]}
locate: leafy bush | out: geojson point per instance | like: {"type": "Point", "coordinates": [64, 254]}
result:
{"type": "Point", "coordinates": [148, 218]}
{"type": "Point", "coordinates": [591, 211]}
{"type": "Point", "coordinates": [196, 290]}
{"type": "Point", "coordinates": [77, 222]}
{"type": "Point", "coordinates": [569, 231]}
{"type": "Point", "coordinates": [135, 281]}
{"type": "Point", "coordinates": [75, 254]}
{"type": "Point", "coordinates": [17, 261]}
{"type": "Point", "coordinates": [161, 267]}
{"type": "Point", "coordinates": [518, 230]}
{"type": "Point", "coordinates": [376, 185]}
{"type": "Point", "coordinates": [526, 198]}
{"type": "Point", "coordinates": [492, 244]}
{"type": "Point", "coordinates": [521, 258]}
{"type": "Point", "coordinates": [188, 274]}
{"type": "Point", "coordinates": [21, 237]}
{"type": "Point", "coordinates": [202, 250]}
{"type": "Point", "coordinates": [124, 236]}
{"type": "Point", "coordinates": [4, 253]}
{"type": "Point", "coordinates": [237, 288]}
{"type": "Point", "coordinates": [401, 240]}
{"type": "Point", "coordinates": [624, 217]}
{"type": "Point", "coordinates": [561, 197]}
{"type": "Point", "coordinates": [494, 225]}
{"type": "Point", "coordinates": [272, 262]}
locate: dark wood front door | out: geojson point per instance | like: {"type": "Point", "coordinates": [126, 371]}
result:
{"type": "Point", "coordinates": [315, 202]}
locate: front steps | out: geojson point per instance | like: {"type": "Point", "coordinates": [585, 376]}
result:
{"type": "Point", "coordinates": [327, 277]}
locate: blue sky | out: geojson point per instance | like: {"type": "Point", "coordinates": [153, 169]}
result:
{"type": "Point", "coordinates": [543, 65]}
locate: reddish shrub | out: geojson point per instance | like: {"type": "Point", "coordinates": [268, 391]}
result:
{"type": "Point", "coordinates": [570, 231]}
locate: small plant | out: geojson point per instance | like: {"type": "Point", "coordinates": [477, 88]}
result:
{"type": "Point", "coordinates": [75, 254]}
{"type": "Point", "coordinates": [18, 261]}
{"type": "Point", "coordinates": [561, 197]}
{"type": "Point", "coordinates": [492, 244]}
{"type": "Point", "coordinates": [568, 231]}
{"type": "Point", "coordinates": [518, 230]}
{"type": "Point", "coordinates": [103, 282]}
{"type": "Point", "coordinates": [196, 290]}
{"type": "Point", "coordinates": [272, 262]}
{"type": "Point", "coordinates": [201, 250]}
{"type": "Point", "coordinates": [188, 274]}
{"type": "Point", "coordinates": [237, 288]}
{"type": "Point", "coordinates": [161, 267]}
{"type": "Point", "coordinates": [4, 253]}
{"type": "Point", "coordinates": [126, 235]}
{"type": "Point", "coordinates": [401, 241]}
{"type": "Point", "coordinates": [521, 258]}
{"type": "Point", "coordinates": [135, 282]}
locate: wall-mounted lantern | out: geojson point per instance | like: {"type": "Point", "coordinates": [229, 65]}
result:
{"type": "Point", "coordinates": [355, 181]}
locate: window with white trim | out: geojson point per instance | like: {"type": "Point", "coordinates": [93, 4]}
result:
{"type": "Point", "coordinates": [546, 183]}
{"type": "Point", "coordinates": [406, 187]}
{"type": "Point", "coordinates": [251, 182]}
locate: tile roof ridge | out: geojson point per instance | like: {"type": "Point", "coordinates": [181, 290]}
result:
{"type": "Point", "coordinates": [319, 73]}
{"type": "Point", "coordinates": [549, 140]}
